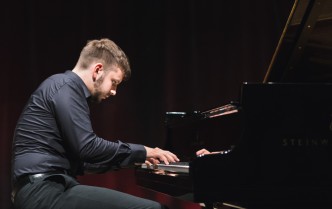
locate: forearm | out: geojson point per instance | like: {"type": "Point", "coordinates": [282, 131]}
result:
{"type": "Point", "coordinates": [137, 155]}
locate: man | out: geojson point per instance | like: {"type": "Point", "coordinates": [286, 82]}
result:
{"type": "Point", "coordinates": [54, 141]}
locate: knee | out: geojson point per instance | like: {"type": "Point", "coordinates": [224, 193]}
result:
{"type": "Point", "coordinates": [157, 205]}
{"type": "Point", "coordinates": [164, 207]}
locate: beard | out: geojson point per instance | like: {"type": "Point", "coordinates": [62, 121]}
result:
{"type": "Point", "coordinates": [95, 98]}
{"type": "Point", "coordinates": [96, 95]}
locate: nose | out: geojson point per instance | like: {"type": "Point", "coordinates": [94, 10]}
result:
{"type": "Point", "coordinates": [113, 92]}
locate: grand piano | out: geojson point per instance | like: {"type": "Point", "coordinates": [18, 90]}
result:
{"type": "Point", "coordinates": [274, 142]}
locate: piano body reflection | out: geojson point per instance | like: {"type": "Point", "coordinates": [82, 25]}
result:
{"type": "Point", "coordinates": [275, 141]}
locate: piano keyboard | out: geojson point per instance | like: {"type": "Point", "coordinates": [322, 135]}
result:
{"type": "Point", "coordinates": [177, 167]}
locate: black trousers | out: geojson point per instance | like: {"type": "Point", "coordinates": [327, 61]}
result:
{"type": "Point", "coordinates": [59, 191]}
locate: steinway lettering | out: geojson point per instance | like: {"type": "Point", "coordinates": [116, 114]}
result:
{"type": "Point", "coordinates": [303, 142]}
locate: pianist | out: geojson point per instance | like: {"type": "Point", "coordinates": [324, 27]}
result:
{"type": "Point", "coordinates": [54, 141]}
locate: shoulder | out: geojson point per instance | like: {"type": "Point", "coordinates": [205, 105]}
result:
{"type": "Point", "coordinates": [64, 82]}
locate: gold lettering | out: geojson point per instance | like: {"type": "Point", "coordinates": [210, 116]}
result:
{"type": "Point", "coordinates": [300, 142]}
{"type": "Point", "coordinates": [284, 142]}
{"type": "Point", "coordinates": [292, 141]}
{"type": "Point", "coordinates": [325, 142]}
{"type": "Point", "coordinates": [314, 142]}
{"type": "Point", "coordinates": [307, 142]}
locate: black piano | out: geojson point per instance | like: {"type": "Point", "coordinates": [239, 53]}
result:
{"type": "Point", "coordinates": [273, 145]}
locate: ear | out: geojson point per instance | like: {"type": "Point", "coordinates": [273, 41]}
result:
{"type": "Point", "coordinates": [97, 71]}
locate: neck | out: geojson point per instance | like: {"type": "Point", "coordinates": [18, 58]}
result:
{"type": "Point", "coordinates": [85, 75]}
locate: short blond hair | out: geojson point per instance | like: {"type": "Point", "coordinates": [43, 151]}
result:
{"type": "Point", "coordinates": [107, 52]}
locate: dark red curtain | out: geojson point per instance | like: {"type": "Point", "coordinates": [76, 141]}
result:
{"type": "Point", "coordinates": [185, 56]}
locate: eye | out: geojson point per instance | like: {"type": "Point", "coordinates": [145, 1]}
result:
{"type": "Point", "coordinates": [115, 82]}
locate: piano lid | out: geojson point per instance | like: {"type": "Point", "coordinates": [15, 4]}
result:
{"type": "Point", "coordinates": [304, 51]}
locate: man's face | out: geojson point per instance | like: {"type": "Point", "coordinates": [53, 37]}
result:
{"type": "Point", "coordinates": [106, 84]}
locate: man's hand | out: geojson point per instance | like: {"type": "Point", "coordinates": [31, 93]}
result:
{"type": "Point", "coordinates": [156, 155]}
{"type": "Point", "coordinates": [202, 152]}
